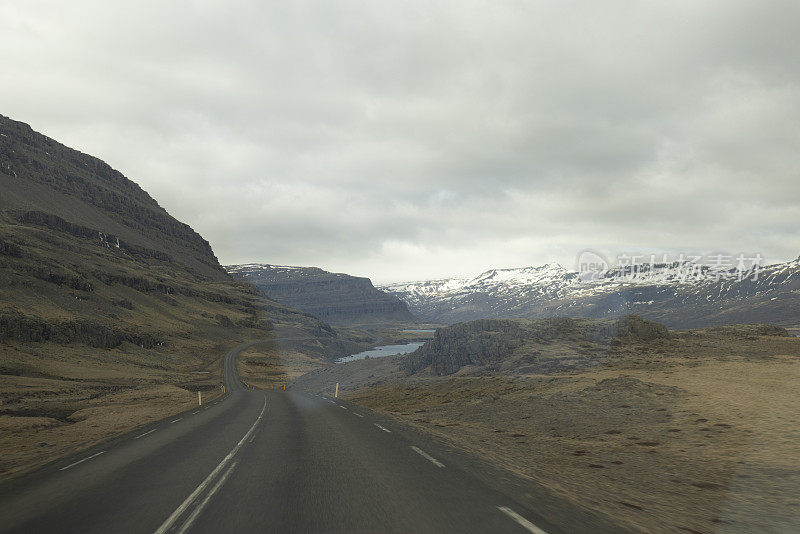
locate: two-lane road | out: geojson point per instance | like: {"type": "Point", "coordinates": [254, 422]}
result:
{"type": "Point", "coordinates": [270, 461]}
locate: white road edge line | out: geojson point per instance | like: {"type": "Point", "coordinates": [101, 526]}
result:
{"type": "Point", "coordinates": [190, 499]}
{"type": "Point", "coordinates": [81, 461]}
{"type": "Point", "coordinates": [143, 435]}
{"type": "Point", "coordinates": [530, 527]}
{"type": "Point", "coordinates": [199, 508]}
{"type": "Point", "coordinates": [383, 428]}
{"type": "Point", "coordinates": [427, 456]}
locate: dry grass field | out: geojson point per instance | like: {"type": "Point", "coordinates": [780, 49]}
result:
{"type": "Point", "coordinates": [699, 433]}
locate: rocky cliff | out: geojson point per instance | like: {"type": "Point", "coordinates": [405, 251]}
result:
{"type": "Point", "coordinates": [339, 299]}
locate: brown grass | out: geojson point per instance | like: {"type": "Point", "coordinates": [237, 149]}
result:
{"type": "Point", "coordinates": [703, 435]}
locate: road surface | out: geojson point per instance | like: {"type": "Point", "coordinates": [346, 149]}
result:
{"type": "Point", "coordinates": [271, 461]}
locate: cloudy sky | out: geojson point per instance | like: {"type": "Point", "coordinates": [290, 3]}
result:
{"type": "Point", "coordinates": [408, 140]}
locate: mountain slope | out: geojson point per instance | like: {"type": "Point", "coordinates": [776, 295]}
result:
{"type": "Point", "coordinates": [112, 312]}
{"type": "Point", "coordinates": [337, 298]}
{"type": "Point", "coordinates": [40, 176]}
{"type": "Point", "coordinates": [665, 295]}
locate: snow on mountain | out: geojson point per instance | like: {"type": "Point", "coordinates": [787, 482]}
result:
{"type": "Point", "coordinates": [679, 294]}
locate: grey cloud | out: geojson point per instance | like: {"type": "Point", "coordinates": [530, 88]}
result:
{"type": "Point", "coordinates": [414, 139]}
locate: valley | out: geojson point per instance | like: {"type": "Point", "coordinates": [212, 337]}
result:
{"type": "Point", "coordinates": [114, 317]}
{"type": "Point", "coordinates": [663, 430]}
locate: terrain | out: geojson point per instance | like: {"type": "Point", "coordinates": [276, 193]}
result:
{"type": "Point", "coordinates": [279, 461]}
{"type": "Point", "coordinates": [664, 430]}
{"type": "Point", "coordinates": [678, 294]}
{"type": "Point", "coordinates": [336, 298]}
{"type": "Point", "coordinates": [112, 313]}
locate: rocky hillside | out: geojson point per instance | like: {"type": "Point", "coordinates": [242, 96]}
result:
{"type": "Point", "coordinates": [109, 305]}
{"type": "Point", "coordinates": [48, 185]}
{"type": "Point", "coordinates": [666, 294]}
{"type": "Point", "coordinates": [523, 346]}
{"type": "Point", "coordinates": [339, 299]}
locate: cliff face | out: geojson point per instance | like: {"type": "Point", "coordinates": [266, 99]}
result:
{"type": "Point", "coordinates": [337, 298]}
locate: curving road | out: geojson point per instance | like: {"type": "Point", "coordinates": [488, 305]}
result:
{"type": "Point", "coordinates": [276, 461]}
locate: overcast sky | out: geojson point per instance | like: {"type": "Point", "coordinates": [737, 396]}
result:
{"type": "Point", "coordinates": [408, 140]}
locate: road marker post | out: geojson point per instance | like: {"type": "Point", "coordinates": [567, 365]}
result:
{"type": "Point", "coordinates": [337, 390]}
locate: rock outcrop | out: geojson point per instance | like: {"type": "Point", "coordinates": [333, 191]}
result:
{"type": "Point", "coordinates": [546, 344]}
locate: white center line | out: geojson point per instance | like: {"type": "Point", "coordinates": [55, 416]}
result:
{"type": "Point", "coordinates": [427, 456]}
{"type": "Point", "coordinates": [521, 520]}
{"type": "Point", "coordinates": [382, 428]}
{"type": "Point", "coordinates": [143, 435]}
{"type": "Point", "coordinates": [176, 420]}
{"type": "Point", "coordinates": [167, 525]}
{"type": "Point", "coordinates": [191, 519]}
{"type": "Point", "coordinates": [81, 461]}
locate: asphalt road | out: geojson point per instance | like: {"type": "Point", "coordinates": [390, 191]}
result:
{"type": "Point", "coordinates": [273, 461]}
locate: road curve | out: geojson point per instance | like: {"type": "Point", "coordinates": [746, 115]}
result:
{"type": "Point", "coordinates": [274, 461]}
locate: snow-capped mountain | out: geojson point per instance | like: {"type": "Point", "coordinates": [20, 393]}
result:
{"type": "Point", "coordinates": [680, 294]}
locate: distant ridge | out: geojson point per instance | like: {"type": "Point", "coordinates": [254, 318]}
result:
{"type": "Point", "coordinates": [666, 296]}
{"type": "Point", "coordinates": [337, 298]}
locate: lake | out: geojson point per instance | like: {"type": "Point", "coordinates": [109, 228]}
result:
{"type": "Point", "coordinates": [380, 352]}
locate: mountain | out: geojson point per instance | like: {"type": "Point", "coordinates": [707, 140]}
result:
{"type": "Point", "coordinates": [112, 312]}
{"type": "Point", "coordinates": [337, 298]}
{"type": "Point", "coordinates": [678, 295]}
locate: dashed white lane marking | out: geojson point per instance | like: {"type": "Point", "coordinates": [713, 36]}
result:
{"type": "Point", "coordinates": [143, 435]}
{"type": "Point", "coordinates": [195, 412]}
{"type": "Point", "coordinates": [81, 461]}
{"type": "Point", "coordinates": [357, 414]}
{"type": "Point", "coordinates": [191, 519]}
{"type": "Point", "coordinates": [530, 527]}
{"type": "Point", "coordinates": [427, 456]}
{"type": "Point", "coordinates": [342, 407]}
{"type": "Point", "coordinates": [191, 498]}
{"type": "Point", "coordinates": [383, 428]}
{"type": "Point", "coordinates": [176, 420]}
